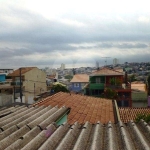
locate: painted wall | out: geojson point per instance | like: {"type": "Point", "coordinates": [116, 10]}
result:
{"type": "Point", "coordinates": [149, 101]}
{"type": "Point", "coordinates": [93, 79]}
{"type": "Point", "coordinates": [76, 88]}
{"type": "Point", "coordinates": [2, 77]}
{"type": "Point", "coordinates": [35, 77]}
{"type": "Point", "coordinates": [139, 96]}
{"type": "Point", "coordinates": [94, 85]}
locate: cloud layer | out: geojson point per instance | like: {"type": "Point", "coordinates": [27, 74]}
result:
{"type": "Point", "coordinates": [31, 35]}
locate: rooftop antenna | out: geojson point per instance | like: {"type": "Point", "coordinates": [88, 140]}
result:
{"type": "Point", "coordinates": [106, 59]}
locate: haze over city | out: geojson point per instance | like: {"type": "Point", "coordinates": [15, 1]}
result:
{"type": "Point", "coordinates": [77, 33]}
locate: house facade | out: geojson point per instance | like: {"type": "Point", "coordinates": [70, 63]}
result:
{"type": "Point", "coordinates": [78, 82]}
{"type": "Point", "coordinates": [105, 80]}
{"type": "Point", "coordinates": [2, 77]}
{"type": "Point", "coordinates": [6, 71]}
{"type": "Point", "coordinates": [33, 79]}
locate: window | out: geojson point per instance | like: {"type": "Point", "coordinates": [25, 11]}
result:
{"type": "Point", "coordinates": [76, 84]}
{"type": "Point", "coordinates": [98, 80]}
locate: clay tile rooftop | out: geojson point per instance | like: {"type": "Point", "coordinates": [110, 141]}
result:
{"type": "Point", "coordinates": [106, 72]}
{"type": "Point", "coordinates": [83, 108]}
{"type": "Point", "coordinates": [23, 70]}
{"type": "Point", "coordinates": [130, 113]}
{"type": "Point", "coordinates": [80, 78]}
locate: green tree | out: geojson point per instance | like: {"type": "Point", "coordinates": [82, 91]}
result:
{"type": "Point", "coordinates": [111, 94]}
{"type": "Point", "coordinates": [132, 78]}
{"type": "Point", "coordinates": [58, 88]}
{"type": "Point", "coordinates": [69, 77]}
{"type": "Point", "coordinates": [145, 117]}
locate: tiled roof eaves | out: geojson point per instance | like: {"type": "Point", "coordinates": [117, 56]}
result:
{"type": "Point", "coordinates": [130, 113]}
{"type": "Point", "coordinates": [23, 71]}
{"type": "Point", "coordinates": [83, 108]}
{"type": "Point", "coordinates": [105, 74]}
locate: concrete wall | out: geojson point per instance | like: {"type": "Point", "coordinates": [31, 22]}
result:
{"type": "Point", "coordinates": [35, 77]}
{"type": "Point", "coordinates": [139, 96]}
{"type": "Point", "coordinates": [6, 100]}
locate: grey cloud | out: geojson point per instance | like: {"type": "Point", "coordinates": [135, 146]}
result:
{"type": "Point", "coordinates": [128, 45]}
{"type": "Point", "coordinates": [38, 35]}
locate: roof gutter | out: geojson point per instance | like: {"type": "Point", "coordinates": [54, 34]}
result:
{"type": "Point", "coordinates": [116, 111]}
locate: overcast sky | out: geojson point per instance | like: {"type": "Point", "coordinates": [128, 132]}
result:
{"type": "Point", "coordinates": [46, 33]}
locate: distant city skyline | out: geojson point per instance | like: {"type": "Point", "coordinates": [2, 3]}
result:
{"type": "Point", "coordinates": [76, 33]}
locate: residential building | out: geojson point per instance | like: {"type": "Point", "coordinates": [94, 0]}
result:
{"type": "Point", "coordinates": [6, 71]}
{"type": "Point", "coordinates": [115, 61]}
{"type": "Point", "coordinates": [33, 79]}
{"type": "Point", "coordinates": [62, 66]}
{"type": "Point", "coordinates": [2, 77]}
{"type": "Point", "coordinates": [139, 93]}
{"type": "Point", "coordinates": [83, 108]}
{"type": "Point", "coordinates": [78, 82]}
{"type": "Point", "coordinates": [105, 78]}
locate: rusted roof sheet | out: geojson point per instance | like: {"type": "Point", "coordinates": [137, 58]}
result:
{"type": "Point", "coordinates": [130, 113]}
{"type": "Point", "coordinates": [83, 108]}
{"type": "Point", "coordinates": [23, 71]}
{"type": "Point", "coordinates": [84, 78]}
{"type": "Point", "coordinates": [106, 72]}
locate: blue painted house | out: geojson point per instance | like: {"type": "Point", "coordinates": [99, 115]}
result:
{"type": "Point", "coordinates": [2, 77]}
{"type": "Point", "coordinates": [78, 82]}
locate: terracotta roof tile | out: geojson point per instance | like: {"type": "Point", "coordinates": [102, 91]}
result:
{"type": "Point", "coordinates": [128, 113]}
{"type": "Point", "coordinates": [106, 71]}
{"type": "Point", "coordinates": [23, 70]}
{"type": "Point", "coordinates": [80, 78]}
{"type": "Point", "coordinates": [90, 107]}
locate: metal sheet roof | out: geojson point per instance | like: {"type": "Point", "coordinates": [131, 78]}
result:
{"type": "Point", "coordinates": [19, 125]}
{"type": "Point", "coordinates": [32, 128]}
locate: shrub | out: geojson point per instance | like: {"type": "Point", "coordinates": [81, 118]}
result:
{"type": "Point", "coordinates": [145, 117]}
{"type": "Point", "coordinates": [58, 88]}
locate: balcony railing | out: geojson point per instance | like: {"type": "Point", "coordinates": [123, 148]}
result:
{"type": "Point", "coordinates": [126, 98]}
{"type": "Point", "coordinates": [97, 82]}
{"type": "Point", "coordinates": [122, 86]}
{"type": "Point", "coordinates": [15, 83]}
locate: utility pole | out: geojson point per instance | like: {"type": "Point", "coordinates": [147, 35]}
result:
{"type": "Point", "coordinates": [14, 94]}
{"type": "Point", "coordinates": [34, 90]}
{"type": "Point", "coordinates": [106, 59]}
{"type": "Point", "coordinates": [20, 86]}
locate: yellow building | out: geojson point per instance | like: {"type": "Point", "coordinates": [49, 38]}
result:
{"type": "Point", "coordinates": [33, 79]}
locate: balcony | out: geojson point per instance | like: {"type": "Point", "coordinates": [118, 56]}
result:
{"type": "Point", "coordinates": [94, 85]}
{"type": "Point", "coordinates": [121, 87]}
{"type": "Point", "coordinates": [16, 83]}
